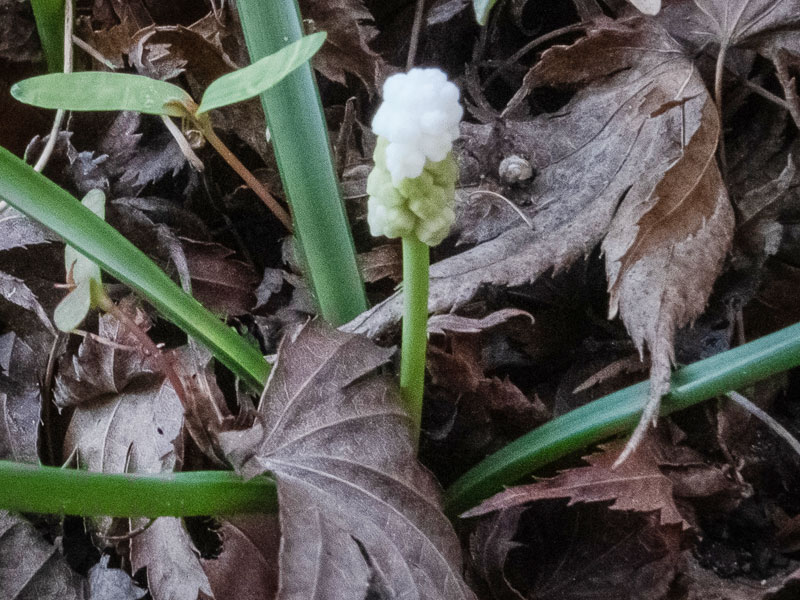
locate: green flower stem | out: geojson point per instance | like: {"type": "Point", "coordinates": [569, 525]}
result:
{"type": "Point", "coordinates": [30, 488]}
{"type": "Point", "coordinates": [620, 411]}
{"type": "Point", "coordinates": [42, 200]}
{"type": "Point", "coordinates": [300, 137]}
{"type": "Point", "coordinates": [416, 260]}
{"type": "Point", "coordinates": [49, 17]}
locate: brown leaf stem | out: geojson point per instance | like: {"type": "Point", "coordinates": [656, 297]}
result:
{"type": "Point", "coordinates": [245, 173]}
{"type": "Point", "coordinates": [149, 348]}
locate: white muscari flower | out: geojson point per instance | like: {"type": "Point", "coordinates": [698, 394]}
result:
{"type": "Point", "coordinates": [419, 117]}
{"type": "Point", "coordinates": [412, 186]}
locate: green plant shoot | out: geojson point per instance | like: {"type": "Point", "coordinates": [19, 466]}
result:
{"type": "Point", "coordinates": [83, 275]}
{"type": "Point", "coordinates": [42, 200]}
{"type": "Point", "coordinates": [100, 91]}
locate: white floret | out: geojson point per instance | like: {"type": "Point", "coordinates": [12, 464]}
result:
{"type": "Point", "coordinates": [419, 117]}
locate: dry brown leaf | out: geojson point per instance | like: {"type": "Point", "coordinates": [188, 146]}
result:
{"type": "Point", "coordinates": [222, 284]}
{"type": "Point", "coordinates": [31, 568]}
{"type": "Point", "coordinates": [348, 24]}
{"type": "Point", "coordinates": [15, 291]}
{"type": "Point", "coordinates": [638, 485]}
{"type": "Point", "coordinates": [129, 419]}
{"type": "Point", "coordinates": [173, 567]}
{"type": "Point", "coordinates": [247, 567]}
{"type": "Point", "coordinates": [743, 22]}
{"type": "Point", "coordinates": [381, 262]}
{"type": "Point", "coordinates": [20, 400]}
{"type": "Point", "coordinates": [554, 552]}
{"type": "Point", "coordinates": [666, 247]}
{"type": "Point", "coordinates": [355, 507]}
{"type": "Point", "coordinates": [100, 369]}
{"type": "Point", "coordinates": [19, 231]}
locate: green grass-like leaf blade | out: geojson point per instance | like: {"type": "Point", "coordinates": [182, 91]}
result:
{"type": "Point", "coordinates": [482, 10]}
{"type": "Point", "coordinates": [42, 200]}
{"type": "Point", "coordinates": [49, 16]}
{"type": "Point", "coordinates": [99, 91]}
{"type": "Point", "coordinates": [250, 81]}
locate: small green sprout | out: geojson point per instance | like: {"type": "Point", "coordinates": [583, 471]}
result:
{"type": "Point", "coordinates": [83, 276]}
{"type": "Point", "coordinates": [101, 91]}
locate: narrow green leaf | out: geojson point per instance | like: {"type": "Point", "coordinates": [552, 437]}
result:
{"type": "Point", "coordinates": [300, 136]}
{"type": "Point", "coordinates": [49, 17]}
{"type": "Point", "coordinates": [42, 200]}
{"type": "Point", "coordinates": [97, 91]}
{"type": "Point", "coordinates": [74, 307]}
{"type": "Point", "coordinates": [620, 412]}
{"type": "Point", "coordinates": [482, 10]}
{"type": "Point", "coordinates": [250, 81]}
{"type": "Point", "coordinates": [31, 488]}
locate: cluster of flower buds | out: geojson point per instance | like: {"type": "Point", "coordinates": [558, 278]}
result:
{"type": "Point", "coordinates": [412, 187]}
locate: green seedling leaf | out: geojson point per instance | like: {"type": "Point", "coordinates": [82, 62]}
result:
{"type": "Point", "coordinates": [482, 10]}
{"type": "Point", "coordinates": [261, 75]}
{"type": "Point", "coordinates": [79, 268]}
{"type": "Point", "coordinates": [72, 310]}
{"type": "Point", "coordinates": [42, 200]}
{"type": "Point", "coordinates": [98, 91]}
{"type": "Point", "coordinates": [83, 273]}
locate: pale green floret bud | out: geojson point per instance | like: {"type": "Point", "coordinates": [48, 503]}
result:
{"type": "Point", "coordinates": [412, 187]}
{"type": "Point", "coordinates": [420, 206]}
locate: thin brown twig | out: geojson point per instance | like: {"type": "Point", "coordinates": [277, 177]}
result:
{"type": "Point", "coordinates": [245, 173]}
{"type": "Point", "coordinates": [542, 39]}
{"type": "Point", "coordinates": [149, 348]}
{"type": "Point", "coordinates": [516, 208]}
{"type": "Point", "coordinates": [183, 144]}
{"type": "Point", "coordinates": [419, 13]}
{"type": "Point", "coordinates": [719, 70]}
{"type": "Point", "coordinates": [93, 52]}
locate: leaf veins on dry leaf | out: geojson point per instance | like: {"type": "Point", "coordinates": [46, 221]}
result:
{"type": "Point", "coordinates": [349, 28]}
{"type": "Point", "coordinates": [356, 509]}
{"type": "Point", "coordinates": [128, 418]}
{"type": "Point", "coordinates": [629, 162]}
{"type": "Point", "coordinates": [637, 484]}
{"type": "Point", "coordinates": [30, 567]}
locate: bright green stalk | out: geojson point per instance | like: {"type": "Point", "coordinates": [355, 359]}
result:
{"type": "Point", "coordinates": [45, 202]}
{"type": "Point", "coordinates": [416, 260]}
{"type": "Point", "coordinates": [29, 488]}
{"type": "Point", "coordinates": [49, 17]}
{"type": "Point", "coordinates": [300, 138]}
{"type": "Point", "coordinates": [620, 412]}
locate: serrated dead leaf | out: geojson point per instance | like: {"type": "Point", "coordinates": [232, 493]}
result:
{"type": "Point", "coordinates": [636, 485]}
{"type": "Point", "coordinates": [20, 400]}
{"type": "Point", "coordinates": [353, 501]}
{"type": "Point", "coordinates": [222, 284]}
{"type": "Point", "coordinates": [15, 291]}
{"type": "Point", "coordinates": [173, 567]}
{"type": "Point", "coordinates": [31, 568]}
{"type": "Point", "coordinates": [247, 567]}
{"type": "Point", "coordinates": [348, 24]}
